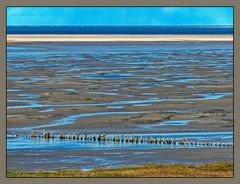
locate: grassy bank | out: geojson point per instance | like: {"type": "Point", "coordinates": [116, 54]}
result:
{"type": "Point", "coordinates": [152, 170]}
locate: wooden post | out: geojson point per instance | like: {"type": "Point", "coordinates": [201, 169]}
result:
{"type": "Point", "coordinates": [118, 139]}
{"type": "Point", "coordinates": [99, 138]}
{"type": "Point", "coordinates": [104, 137]}
{"type": "Point", "coordinates": [47, 135]}
{"type": "Point", "coordinates": [126, 140]}
{"type": "Point", "coordinates": [155, 140]}
{"type": "Point", "coordinates": [164, 141]}
{"type": "Point", "coordinates": [136, 140]}
{"type": "Point", "coordinates": [33, 134]}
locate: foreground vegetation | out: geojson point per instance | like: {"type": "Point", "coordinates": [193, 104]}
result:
{"type": "Point", "coordinates": [150, 170]}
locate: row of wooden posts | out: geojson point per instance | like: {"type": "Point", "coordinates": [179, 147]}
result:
{"type": "Point", "coordinates": [124, 139]}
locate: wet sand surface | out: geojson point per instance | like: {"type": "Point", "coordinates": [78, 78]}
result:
{"type": "Point", "coordinates": [83, 159]}
{"type": "Point", "coordinates": [160, 87]}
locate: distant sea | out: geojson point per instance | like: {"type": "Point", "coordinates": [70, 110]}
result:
{"type": "Point", "coordinates": [119, 29]}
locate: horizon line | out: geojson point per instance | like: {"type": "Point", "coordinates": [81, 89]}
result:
{"type": "Point", "coordinates": [130, 25]}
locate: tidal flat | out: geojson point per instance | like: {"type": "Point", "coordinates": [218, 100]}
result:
{"type": "Point", "coordinates": [181, 89]}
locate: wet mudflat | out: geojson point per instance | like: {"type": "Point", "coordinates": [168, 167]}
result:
{"type": "Point", "coordinates": [135, 88]}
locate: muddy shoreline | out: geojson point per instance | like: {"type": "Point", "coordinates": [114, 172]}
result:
{"type": "Point", "coordinates": [159, 87]}
{"type": "Point", "coordinates": [85, 160]}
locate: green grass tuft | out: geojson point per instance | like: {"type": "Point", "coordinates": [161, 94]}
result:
{"type": "Point", "coordinates": [224, 169]}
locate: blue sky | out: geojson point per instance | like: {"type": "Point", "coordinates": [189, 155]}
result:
{"type": "Point", "coordinates": [119, 16]}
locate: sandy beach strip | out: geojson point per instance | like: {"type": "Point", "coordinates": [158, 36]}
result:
{"type": "Point", "coordinates": [17, 38]}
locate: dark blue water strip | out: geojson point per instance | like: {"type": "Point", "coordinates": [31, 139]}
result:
{"type": "Point", "coordinates": [119, 30]}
